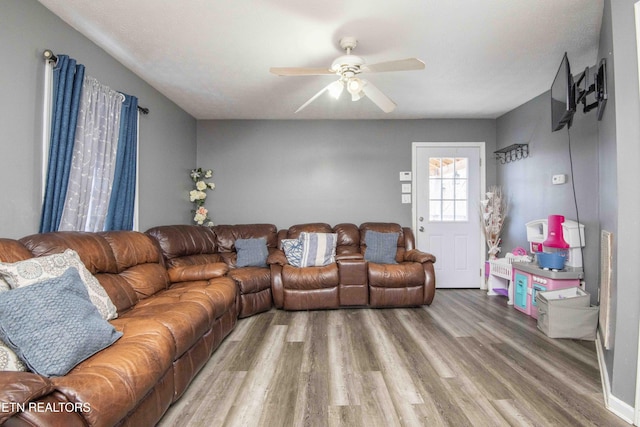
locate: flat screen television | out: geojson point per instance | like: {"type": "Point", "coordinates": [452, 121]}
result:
{"type": "Point", "coordinates": [563, 96]}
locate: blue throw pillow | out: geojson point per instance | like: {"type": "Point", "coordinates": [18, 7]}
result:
{"type": "Point", "coordinates": [381, 247]}
{"type": "Point", "coordinates": [252, 252]}
{"type": "Point", "coordinates": [52, 325]}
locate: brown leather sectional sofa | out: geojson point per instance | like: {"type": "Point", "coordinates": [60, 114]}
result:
{"type": "Point", "coordinates": [179, 293]}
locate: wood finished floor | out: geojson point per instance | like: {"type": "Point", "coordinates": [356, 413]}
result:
{"type": "Point", "coordinates": [466, 360]}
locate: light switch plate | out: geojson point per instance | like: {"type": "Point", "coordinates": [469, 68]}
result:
{"type": "Point", "coordinates": [406, 198]}
{"type": "Point", "coordinates": [406, 188]}
{"type": "Point", "coordinates": [405, 176]}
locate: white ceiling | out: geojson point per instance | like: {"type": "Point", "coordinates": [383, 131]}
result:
{"type": "Point", "coordinates": [212, 58]}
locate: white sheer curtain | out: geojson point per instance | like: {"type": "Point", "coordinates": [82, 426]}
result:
{"type": "Point", "coordinates": [94, 156]}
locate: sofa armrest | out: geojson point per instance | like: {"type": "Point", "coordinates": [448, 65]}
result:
{"type": "Point", "coordinates": [17, 389]}
{"type": "Point", "coordinates": [427, 260]}
{"type": "Point", "coordinates": [188, 273]}
{"type": "Point", "coordinates": [277, 257]}
{"type": "Point", "coordinates": [277, 286]}
{"type": "Point", "coordinates": [414, 255]}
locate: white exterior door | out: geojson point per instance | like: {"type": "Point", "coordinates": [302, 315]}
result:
{"type": "Point", "coordinates": [448, 179]}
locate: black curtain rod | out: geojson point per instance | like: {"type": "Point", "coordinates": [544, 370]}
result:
{"type": "Point", "coordinates": [50, 56]}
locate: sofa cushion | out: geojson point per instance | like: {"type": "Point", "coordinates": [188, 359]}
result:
{"type": "Point", "coordinates": [403, 275]}
{"type": "Point", "coordinates": [307, 278]}
{"type": "Point", "coordinates": [33, 270]}
{"type": "Point", "coordinates": [381, 247]}
{"type": "Point", "coordinates": [115, 380]}
{"type": "Point", "coordinates": [186, 317]}
{"type": "Point", "coordinates": [52, 325]}
{"type": "Point", "coordinates": [227, 235]}
{"type": "Point", "coordinates": [318, 249]}
{"type": "Point", "coordinates": [251, 279]}
{"type": "Point", "coordinates": [217, 295]}
{"type": "Point", "coordinates": [179, 241]}
{"type": "Point", "coordinates": [252, 252]}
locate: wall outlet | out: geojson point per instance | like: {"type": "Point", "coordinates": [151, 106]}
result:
{"type": "Point", "coordinates": [406, 198]}
{"type": "Point", "coordinates": [559, 179]}
{"type": "Point", "coordinates": [406, 188]}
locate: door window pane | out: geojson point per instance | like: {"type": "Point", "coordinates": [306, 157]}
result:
{"type": "Point", "coordinates": [435, 210]}
{"type": "Point", "coordinates": [462, 169]}
{"type": "Point", "coordinates": [461, 211]}
{"type": "Point", "coordinates": [448, 189]}
{"type": "Point", "coordinates": [435, 189]}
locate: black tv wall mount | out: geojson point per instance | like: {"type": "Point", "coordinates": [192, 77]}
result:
{"type": "Point", "coordinates": [598, 86]}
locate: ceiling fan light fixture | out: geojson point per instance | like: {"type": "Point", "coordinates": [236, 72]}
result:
{"type": "Point", "coordinates": [335, 89]}
{"type": "Point", "coordinates": [355, 86]}
{"type": "Point", "coordinates": [347, 67]}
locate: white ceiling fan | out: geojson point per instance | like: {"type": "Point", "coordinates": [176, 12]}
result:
{"type": "Point", "coordinates": [348, 67]}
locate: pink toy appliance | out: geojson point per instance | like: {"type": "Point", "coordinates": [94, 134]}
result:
{"type": "Point", "coordinates": [557, 235]}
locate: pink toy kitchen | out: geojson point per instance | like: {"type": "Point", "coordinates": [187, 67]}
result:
{"type": "Point", "coordinates": [555, 245]}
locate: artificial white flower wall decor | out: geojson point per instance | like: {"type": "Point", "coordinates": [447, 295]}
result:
{"type": "Point", "coordinates": [199, 195]}
{"type": "Point", "coordinates": [493, 212]}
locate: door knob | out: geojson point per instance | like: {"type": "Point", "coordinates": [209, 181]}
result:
{"type": "Point", "coordinates": [421, 229]}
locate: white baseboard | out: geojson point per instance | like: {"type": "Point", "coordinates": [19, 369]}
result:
{"type": "Point", "coordinates": [612, 403]}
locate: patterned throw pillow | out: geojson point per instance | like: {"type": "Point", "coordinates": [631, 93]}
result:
{"type": "Point", "coordinates": [252, 252]}
{"type": "Point", "coordinates": [9, 360]}
{"type": "Point", "coordinates": [318, 249]}
{"type": "Point", "coordinates": [52, 325]}
{"type": "Point", "coordinates": [293, 251]}
{"type": "Point", "coordinates": [381, 247]}
{"type": "Point", "coordinates": [33, 270]}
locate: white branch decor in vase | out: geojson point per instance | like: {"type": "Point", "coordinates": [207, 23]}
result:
{"type": "Point", "coordinates": [493, 211]}
{"type": "Point", "coordinates": [199, 194]}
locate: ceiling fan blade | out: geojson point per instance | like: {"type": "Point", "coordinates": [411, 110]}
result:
{"type": "Point", "coordinates": [333, 87]}
{"type": "Point", "coordinates": [378, 98]}
{"type": "Point", "coordinates": [293, 71]}
{"type": "Point", "coordinates": [398, 65]}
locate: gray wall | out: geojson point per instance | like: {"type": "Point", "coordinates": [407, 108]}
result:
{"type": "Point", "coordinates": [619, 135]}
{"type": "Point", "coordinates": [290, 172]}
{"type": "Point", "coordinates": [527, 182]}
{"type": "Point", "coordinates": [167, 135]}
{"type": "Point", "coordinates": [286, 172]}
{"type": "Point", "coordinates": [606, 155]}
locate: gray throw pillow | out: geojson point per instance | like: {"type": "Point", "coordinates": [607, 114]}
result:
{"type": "Point", "coordinates": [252, 252]}
{"type": "Point", "coordinates": [381, 247]}
{"type": "Point", "coordinates": [52, 325]}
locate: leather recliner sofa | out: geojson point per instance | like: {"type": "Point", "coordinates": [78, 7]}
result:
{"type": "Point", "coordinates": [410, 282]}
{"type": "Point", "coordinates": [169, 332]}
{"type": "Point", "coordinates": [179, 293]}
{"type": "Point", "coordinates": [352, 280]}
{"type": "Point", "coordinates": [189, 247]}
